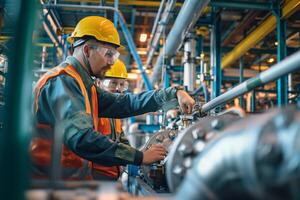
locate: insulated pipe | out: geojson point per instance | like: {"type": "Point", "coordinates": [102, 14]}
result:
{"type": "Point", "coordinates": [160, 29]}
{"type": "Point", "coordinates": [187, 17]}
{"type": "Point", "coordinates": [189, 63]}
{"type": "Point", "coordinates": [124, 28]}
{"type": "Point", "coordinates": [288, 65]}
{"type": "Point", "coordinates": [261, 162]}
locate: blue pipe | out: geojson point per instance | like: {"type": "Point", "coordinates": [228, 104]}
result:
{"type": "Point", "coordinates": [167, 77]}
{"type": "Point", "coordinates": [282, 82]}
{"type": "Point", "coordinates": [132, 22]}
{"type": "Point", "coordinates": [66, 47]}
{"type": "Point", "coordinates": [217, 82]}
{"type": "Point", "coordinates": [203, 88]}
{"type": "Point", "coordinates": [253, 101]}
{"type": "Point", "coordinates": [116, 4]}
{"type": "Point", "coordinates": [241, 80]}
{"type": "Point", "coordinates": [133, 51]}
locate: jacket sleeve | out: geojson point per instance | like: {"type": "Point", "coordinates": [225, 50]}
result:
{"type": "Point", "coordinates": [126, 105]}
{"type": "Point", "coordinates": [61, 98]}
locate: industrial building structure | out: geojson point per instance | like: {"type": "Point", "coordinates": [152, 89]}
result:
{"type": "Point", "coordinates": [239, 60]}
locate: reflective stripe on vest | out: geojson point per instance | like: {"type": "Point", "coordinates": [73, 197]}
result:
{"type": "Point", "coordinates": [73, 167]}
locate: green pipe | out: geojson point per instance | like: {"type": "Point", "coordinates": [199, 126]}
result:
{"type": "Point", "coordinates": [15, 135]}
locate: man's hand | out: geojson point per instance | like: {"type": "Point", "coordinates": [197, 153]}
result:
{"type": "Point", "coordinates": [186, 102]}
{"type": "Point", "coordinates": [155, 153]}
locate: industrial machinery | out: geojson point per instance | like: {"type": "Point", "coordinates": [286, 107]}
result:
{"type": "Point", "coordinates": [183, 146]}
{"type": "Point", "coordinates": [256, 158]}
{"type": "Point", "coordinates": [230, 156]}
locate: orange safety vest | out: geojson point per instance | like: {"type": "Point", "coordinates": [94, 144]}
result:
{"type": "Point", "coordinates": [105, 128]}
{"type": "Point", "coordinates": [73, 167]}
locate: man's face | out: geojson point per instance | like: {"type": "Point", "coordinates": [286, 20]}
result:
{"type": "Point", "coordinates": [114, 85]}
{"type": "Point", "coordinates": [101, 59]}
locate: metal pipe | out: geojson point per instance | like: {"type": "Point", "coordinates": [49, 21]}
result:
{"type": "Point", "coordinates": [160, 30]}
{"type": "Point", "coordinates": [14, 136]}
{"type": "Point", "coordinates": [124, 28]}
{"type": "Point", "coordinates": [187, 17]}
{"type": "Point", "coordinates": [160, 9]}
{"type": "Point", "coordinates": [259, 33]}
{"type": "Point", "coordinates": [286, 66]}
{"type": "Point", "coordinates": [189, 73]}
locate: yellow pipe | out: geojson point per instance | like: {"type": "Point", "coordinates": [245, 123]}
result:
{"type": "Point", "coordinates": [259, 33]}
{"type": "Point", "coordinates": [124, 2]}
{"type": "Point", "coordinates": [4, 38]}
{"type": "Point", "coordinates": [44, 44]}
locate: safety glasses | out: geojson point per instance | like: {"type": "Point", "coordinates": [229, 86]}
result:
{"type": "Point", "coordinates": [112, 84]}
{"type": "Point", "coordinates": [106, 52]}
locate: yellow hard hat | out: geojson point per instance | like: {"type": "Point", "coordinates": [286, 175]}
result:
{"type": "Point", "coordinates": [118, 70]}
{"type": "Point", "coordinates": [100, 28]}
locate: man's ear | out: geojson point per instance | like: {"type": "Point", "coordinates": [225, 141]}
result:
{"type": "Point", "coordinates": [86, 50]}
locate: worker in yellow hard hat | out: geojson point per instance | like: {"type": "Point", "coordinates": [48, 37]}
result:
{"type": "Point", "coordinates": [115, 81]}
{"type": "Point", "coordinates": [67, 105]}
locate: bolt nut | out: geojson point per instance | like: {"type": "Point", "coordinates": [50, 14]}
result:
{"type": "Point", "coordinates": [216, 124]}
{"type": "Point", "coordinates": [178, 170]}
{"type": "Point", "coordinates": [185, 150]}
{"type": "Point", "coordinates": [159, 138]}
{"type": "Point", "coordinates": [198, 146]}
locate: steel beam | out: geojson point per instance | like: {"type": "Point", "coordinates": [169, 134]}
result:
{"type": "Point", "coordinates": [124, 2]}
{"type": "Point", "coordinates": [241, 5]}
{"type": "Point", "coordinates": [259, 33]}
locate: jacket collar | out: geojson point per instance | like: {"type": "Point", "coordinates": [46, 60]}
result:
{"type": "Point", "coordinates": [86, 78]}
